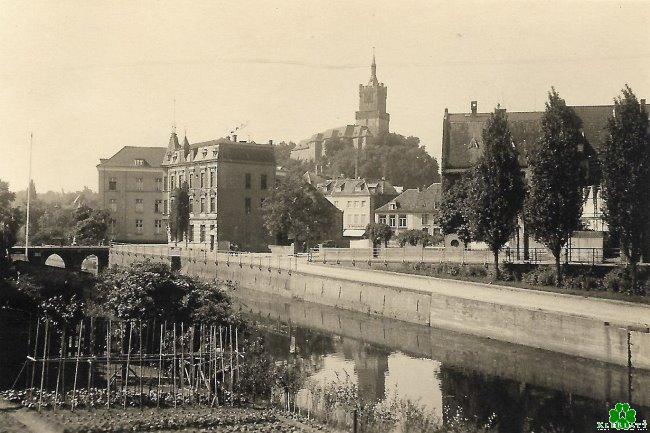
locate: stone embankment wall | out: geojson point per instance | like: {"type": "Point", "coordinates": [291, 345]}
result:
{"type": "Point", "coordinates": [507, 316]}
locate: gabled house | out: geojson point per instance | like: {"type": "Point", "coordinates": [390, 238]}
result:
{"type": "Point", "coordinates": [413, 209]}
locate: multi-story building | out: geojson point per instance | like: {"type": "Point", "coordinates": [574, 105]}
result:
{"type": "Point", "coordinates": [357, 199]}
{"type": "Point", "coordinates": [414, 209]}
{"type": "Point", "coordinates": [131, 189]}
{"type": "Point", "coordinates": [371, 120]}
{"type": "Point", "coordinates": [228, 181]}
{"type": "Point", "coordinates": [462, 146]}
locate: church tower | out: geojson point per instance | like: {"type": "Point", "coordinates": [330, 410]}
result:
{"type": "Point", "coordinates": [372, 104]}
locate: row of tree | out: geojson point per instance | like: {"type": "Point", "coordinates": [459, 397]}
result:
{"type": "Point", "coordinates": [485, 203]}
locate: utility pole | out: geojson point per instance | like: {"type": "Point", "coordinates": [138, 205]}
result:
{"type": "Point", "coordinates": [29, 187]}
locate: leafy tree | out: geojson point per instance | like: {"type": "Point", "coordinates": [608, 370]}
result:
{"type": "Point", "coordinates": [10, 221]}
{"type": "Point", "coordinates": [455, 207]}
{"type": "Point", "coordinates": [554, 203]}
{"type": "Point", "coordinates": [401, 159]}
{"type": "Point", "coordinates": [497, 193]}
{"type": "Point", "coordinates": [179, 213]}
{"type": "Point", "coordinates": [379, 233]}
{"type": "Point", "coordinates": [412, 237]}
{"type": "Point", "coordinates": [91, 225]}
{"type": "Point", "coordinates": [626, 177]}
{"type": "Point", "coordinates": [147, 290]}
{"type": "Point", "coordinates": [296, 210]}
{"type": "Point", "coordinates": [55, 226]}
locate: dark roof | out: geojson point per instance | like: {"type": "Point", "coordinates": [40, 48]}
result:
{"type": "Point", "coordinates": [415, 200]}
{"type": "Point", "coordinates": [126, 157]}
{"type": "Point", "coordinates": [356, 186]}
{"type": "Point", "coordinates": [227, 150]}
{"type": "Point", "coordinates": [463, 141]}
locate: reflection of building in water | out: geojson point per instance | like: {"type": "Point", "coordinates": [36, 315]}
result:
{"type": "Point", "coordinates": [370, 365]}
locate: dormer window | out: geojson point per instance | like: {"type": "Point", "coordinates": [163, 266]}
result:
{"type": "Point", "coordinates": [138, 162]}
{"type": "Point", "coordinates": [205, 152]}
{"type": "Point", "coordinates": [392, 206]}
{"type": "Point", "coordinates": [214, 153]}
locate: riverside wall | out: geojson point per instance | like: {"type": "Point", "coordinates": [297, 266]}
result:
{"type": "Point", "coordinates": [625, 343]}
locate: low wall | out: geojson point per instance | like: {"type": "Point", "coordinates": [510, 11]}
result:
{"type": "Point", "coordinates": [557, 331]}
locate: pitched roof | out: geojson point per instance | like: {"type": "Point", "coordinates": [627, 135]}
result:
{"type": "Point", "coordinates": [126, 157]}
{"type": "Point", "coordinates": [356, 187]}
{"type": "Point", "coordinates": [226, 150]}
{"type": "Point", "coordinates": [415, 200]}
{"type": "Point", "coordinates": [346, 131]}
{"type": "Point", "coordinates": [463, 140]}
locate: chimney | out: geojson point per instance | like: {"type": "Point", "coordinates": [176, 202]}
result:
{"type": "Point", "coordinates": [642, 102]}
{"type": "Point", "coordinates": [270, 141]}
{"type": "Point", "coordinates": [474, 106]}
{"type": "Point", "coordinates": [234, 138]}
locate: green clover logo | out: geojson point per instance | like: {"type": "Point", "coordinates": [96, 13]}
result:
{"type": "Point", "coordinates": [622, 417]}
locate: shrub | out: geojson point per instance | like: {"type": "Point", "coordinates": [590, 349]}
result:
{"type": "Point", "coordinates": [617, 280]}
{"type": "Point", "coordinates": [540, 276]}
{"type": "Point", "coordinates": [475, 271]}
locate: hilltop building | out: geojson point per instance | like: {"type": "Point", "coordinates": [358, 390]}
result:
{"type": "Point", "coordinates": [228, 181]}
{"type": "Point", "coordinates": [371, 120]}
{"type": "Point", "coordinates": [357, 199]}
{"type": "Point", "coordinates": [131, 189]}
{"type": "Point", "coordinates": [413, 209]}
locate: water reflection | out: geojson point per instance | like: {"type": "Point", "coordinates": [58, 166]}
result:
{"type": "Point", "coordinates": [529, 390]}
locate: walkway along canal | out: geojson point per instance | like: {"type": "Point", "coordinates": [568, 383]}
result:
{"type": "Point", "coordinates": [610, 331]}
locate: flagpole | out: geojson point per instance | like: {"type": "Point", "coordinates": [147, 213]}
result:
{"type": "Point", "coordinates": [29, 187]}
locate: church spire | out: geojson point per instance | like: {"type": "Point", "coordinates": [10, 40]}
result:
{"type": "Point", "coordinates": [373, 70]}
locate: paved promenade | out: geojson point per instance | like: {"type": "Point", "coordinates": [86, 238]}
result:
{"type": "Point", "coordinates": [615, 312]}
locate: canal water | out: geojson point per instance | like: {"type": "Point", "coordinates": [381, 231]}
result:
{"type": "Point", "coordinates": [524, 389]}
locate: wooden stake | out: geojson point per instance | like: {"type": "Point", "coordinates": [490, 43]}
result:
{"type": "Point", "coordinates": [174, 367]}
{"type": "Point", "coordinates": [128, 362]}
{"type": "Point", "coordinates": [182, 362]}
{"type": "Point", "coordinates": [231, 371]}
{"type": "Point", "coordinates": [45, 341]}
{"type": "Point", "coordinates": [160, 367]}
{"type": "Point", "coordinates": [58, 373]}
{"type": "Point", "coordinates": [91, 351]}
{"type": "Point", "coordinates": [108, 365]}
{"type": "Point", "coordinates": [76, 365]}
{"type": "Point", "coordinates": [140, 357]}
{"type": "Point", "coordinates": [31, 386]}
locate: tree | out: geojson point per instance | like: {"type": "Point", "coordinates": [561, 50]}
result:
{"type": "Point", "coordinates": [454, 209]}
{"type": "Point", "coordinates": [497, 193]}
{"type": "Point", "coordinates": [296, 210]}
{"type": "Point", "coordinates": [91, 225]}
{"type": "Point", "coordinates": [148, 290]}
{"type": "Point", "coordinates": [379, 233]}
{"type": "Point", "coordinates": [179, 213]}
{"type": "Point", "coordinates": [10, 220]}
{"type": "Point", "coordinates": [554, 203]}
{"type": "Point", "coordinates": [625, 165]}
{"type": "Point", "coordinates": [55, 226]}
{"type": "Point", "coordinates": [412, 237]}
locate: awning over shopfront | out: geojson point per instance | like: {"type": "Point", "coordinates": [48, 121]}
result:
{"type": "Point", "coordinates": [353, 233]}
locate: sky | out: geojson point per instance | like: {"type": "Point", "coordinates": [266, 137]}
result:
{"type": "Point", "coordinates": [87, 78]}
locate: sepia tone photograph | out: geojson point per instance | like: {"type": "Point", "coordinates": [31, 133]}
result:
{"type": "Point", "coordinates": [336, 216]}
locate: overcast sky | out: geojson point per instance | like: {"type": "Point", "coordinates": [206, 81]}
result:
{"type": "Point", "coordinates": [90, 77]}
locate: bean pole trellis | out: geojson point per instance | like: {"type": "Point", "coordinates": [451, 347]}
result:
{"type": "Point", "coordinates": [132, 362]}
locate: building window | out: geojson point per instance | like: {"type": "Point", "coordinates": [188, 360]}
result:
{"type": "Point", "coordinates": [201, 233]}
{"type": "Point", "coordinates": [402, 221]}
{"type": "Point", "coordinates": [157, 224]}
{"type": "Point", "coordinates": [202, 204]}
{"type": "Point", "coordinates": [139, 185]}
{"type": "Point", "coordinates": [112, 205]}
{"type": "Point", "coordinates": [138, 226]}
{"type": "Point", "coordinates": [165, 207]}
{"type": "Point", "coordinates": [111, 225]}
{"type": "Point", "coordinates": [263, 182]}
{"type": "Point", "coordinates": [172, 186]}
{"type": "Point", "coordinates": [213, 204]}
{"type": "Point", "coordinates": [391, 221]}
{"type": "Point", "coordinates": [425, 219]}
{"type": "Point", "coordinates": [202, 179]}
{"type": "Point", "coordinates": [191, 205]}
{"type": "Point", "coordinates": [159, 184]}
{"type": "Point", "coordinates": [349, 203]}
{"type": "Point", "coordinates": [189, 178]}
{"type": "Point", "coordinates": [112, 184]}
{"type": "Point", "coordinates": [138, 162]}
{"type": "Point", "coordinates": [382, 219]}
{"type": "Point", "coordinates": [157, 206]}
{"type": "Point", "coordinates": [190, 233]}
{"type": "Point", "coordinates": [262, 202]}
{"type": "Point", "coordinates": [247, 205]}
{"type": "Point", "coordinates": [211, 178]}
{"type": "Point", "coordinates": [164, 182]}
{"type": "Point", "coordinates": [363, 203]}
{"type": "Point", "coordinates": [247, 181]}
{"type": "Point", "coordinates": [436, 231]}
{"type": "Point", "coordinates": [139, 205]}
